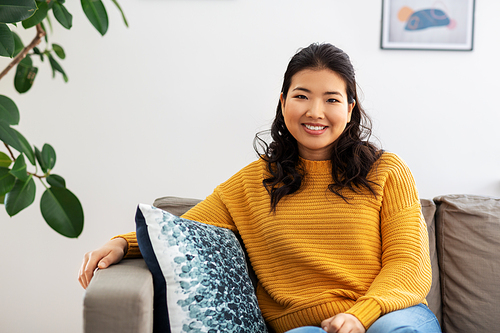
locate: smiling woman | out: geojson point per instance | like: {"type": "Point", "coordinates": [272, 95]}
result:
{"type": "Point", "coordinates": [332, 224]}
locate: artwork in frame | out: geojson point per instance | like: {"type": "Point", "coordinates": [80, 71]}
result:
{"type": "Point", "coordinates": [428, 24]}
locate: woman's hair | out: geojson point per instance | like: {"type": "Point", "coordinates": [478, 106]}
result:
{"type": "Point", "coordinates": [352, 155]}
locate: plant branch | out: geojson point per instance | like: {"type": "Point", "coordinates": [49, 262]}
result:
{"type": "Point", "coordinates": [40, 33]}
{"type": "Point", "coordinates": [10, 151]}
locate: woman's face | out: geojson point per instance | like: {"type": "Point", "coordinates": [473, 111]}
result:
{"type": "Point", "coordinates": [316, 111]}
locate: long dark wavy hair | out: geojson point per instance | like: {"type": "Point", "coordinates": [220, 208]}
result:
{"type": "Point", "coordinates": [352, 154]}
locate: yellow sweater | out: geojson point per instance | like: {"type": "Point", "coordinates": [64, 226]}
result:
{"type": "Point", "coordinates": [318, 256]}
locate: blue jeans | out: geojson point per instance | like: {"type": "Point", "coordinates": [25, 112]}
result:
{"type": "Point", "coordinates": [415, 319]}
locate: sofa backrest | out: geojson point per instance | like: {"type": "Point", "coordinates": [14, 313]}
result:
{"type": "Point", "coordinates": [434, 296]}
{"type": "Point", "coordinates": [468, 246]}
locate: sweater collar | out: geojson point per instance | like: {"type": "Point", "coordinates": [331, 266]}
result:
{"type": "Point", "coordinates": [316, 166]}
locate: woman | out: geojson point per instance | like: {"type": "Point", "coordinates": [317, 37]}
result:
{"type": "Point", "coordinates": [332, 224]}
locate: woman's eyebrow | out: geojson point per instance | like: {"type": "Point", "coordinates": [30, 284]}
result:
{"type": "Point", "coordinates": [326, 93]}
{"type": "Point", "coordinates": [333, 93]}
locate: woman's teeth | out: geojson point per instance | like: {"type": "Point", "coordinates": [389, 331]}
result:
{"type": "Point", "coordinates": [314, 128]}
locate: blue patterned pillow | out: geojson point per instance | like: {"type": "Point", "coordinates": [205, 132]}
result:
{"type": "Point", "coordinates": [199, 274]}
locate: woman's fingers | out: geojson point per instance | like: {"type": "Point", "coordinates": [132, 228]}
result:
{"type": "Point", "coordinates": [111, 253]}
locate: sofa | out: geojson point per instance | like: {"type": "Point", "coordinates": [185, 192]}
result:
{"type": "Point", "coordinates": [464, 242]}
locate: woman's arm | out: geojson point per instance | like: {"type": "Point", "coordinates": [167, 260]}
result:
{"type": "Point", "coordinates": [405, 276]}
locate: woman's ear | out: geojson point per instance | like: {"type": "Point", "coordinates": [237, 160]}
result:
{"type": "Point", "coordinates": [349, 111]}
{"type": "Point", "coordinates": [282, 101]}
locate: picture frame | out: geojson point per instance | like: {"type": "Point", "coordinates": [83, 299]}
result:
{"type": "Point", "coordinates": [427, 25]}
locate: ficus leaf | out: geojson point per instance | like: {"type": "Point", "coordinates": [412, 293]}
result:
{"type": "Point", "coordinates": [12, 11]}
{"type": "Point", "coordinates": [38, 17]}
{"type": "Point", "coordinates": [48, 156]}
{"type": "Point", "coordinates": [38, 155]}
{"type": "Point", "coordinates": [56, 180]}
{"type": "Point", "coordinates": [7, 43]}
{"type": "Point", "coordinates": [5, 160]}
{"type": "Point", "coordinates": [97, 15]}
{"type": "Point", "coordinates": [59, 50]}
{"type": "Point", "coordinates": [21, 196]}
{"type": "Point", "coordinates": [9, 136]}
{"type": "Point", "coordinates": [62, 211]}
{"type": "Point", "coordinates": [62, 15]}
{"type": "Point", "coordinates": [9, 111]}
{"type": "Point", "coordinates": [25, 75]}
{"type": "Point", "coordinates": [121, 11]}
{"type": "Point", "coordinates": [19, 169]}
{"type": "Point", "coordinates": [18, 44]}
{"type": "Point", "coordinates": [56, 67]}
{"type": "Point", "coordinates": [6, 181]}
{"type": "Point", "coordinates": [25, 147]}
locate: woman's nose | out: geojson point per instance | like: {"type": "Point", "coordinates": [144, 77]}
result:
{"type": "Point", "coordinates": [315, 110]}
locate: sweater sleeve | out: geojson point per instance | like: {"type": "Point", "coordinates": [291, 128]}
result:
{"type": "Point", "coordinates": [212, 211]}
{"type": "Point", "coordinates": [405, 276]}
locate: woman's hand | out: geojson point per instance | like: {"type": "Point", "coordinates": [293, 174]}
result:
{"type": "Point", "coordinates": [110, 253]}
{"type": "Point", "coordinates": [343, 323]}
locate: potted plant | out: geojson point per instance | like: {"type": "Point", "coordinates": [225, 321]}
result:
{"type": "Point", "coordinates": [20, 162]}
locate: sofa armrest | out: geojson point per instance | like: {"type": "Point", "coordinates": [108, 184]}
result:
{"type": "Point", "coordinates": [120, 299]}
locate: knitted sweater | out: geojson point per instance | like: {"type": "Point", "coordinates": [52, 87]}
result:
{"type": "Point", "coordinates": [317, 255]}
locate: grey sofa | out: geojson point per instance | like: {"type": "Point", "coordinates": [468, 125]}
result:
{"type": "Point", "coordinates": [464, 241]}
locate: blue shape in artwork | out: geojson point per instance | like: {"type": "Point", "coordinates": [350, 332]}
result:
{"type": "Point", "coordinates": [427, 18]}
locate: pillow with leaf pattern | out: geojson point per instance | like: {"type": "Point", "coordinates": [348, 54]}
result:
{"type": "Point", "coordinates": [200, 278]}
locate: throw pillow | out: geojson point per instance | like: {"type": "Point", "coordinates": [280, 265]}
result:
{"type": "Point", "coordinates": [199, 275]}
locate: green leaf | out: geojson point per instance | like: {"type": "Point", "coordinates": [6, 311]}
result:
{"type": "Point", "coordinates": [63, 212]}
{"type": "Point", "coordinates": [49, 20]}
{"type": "Point", "coordinates": [6, 181]}
{"type": "Point", "coordinates": [2, 199]}
{"type": "Point", "coordinates": [9, 136]}
{"type": "Point", "coordinates": [9, 111]}
{"type": "Point", "coordinates": [48, 156]}
{"type": "Point", "coordinates": [56, 67]}
{"type": "Point", "coordinates": [38, 155]}
{"type": "Point", "coordinates": [46, 35]}
{"type": "Point", "coordinates": [25, 75]}
{"type": "Point", "coordinates": [62, 15]}
{"type": "Point", "coordinates": [12, 11]}
{"type": "Point", "coordinates": [25, 147]}
{"type": "Point", "coordinates": [97, 15]}
{"type": "Point", "coordinates": [21, 196]}
{"type": "Point", "coordinates": [59, 51]}
{"type": "Point", "coordinates": [37, 51]}
{"type": "Point", "coordinates": [5, 160]}
{"type": "Point", "coordinates": [18, 44]}
{"type": "Point", "coordinates": [38, 17]}
{"type": "Point", "coordinates": [19, 169]}
{"type": "Point", "coordinates": [56, 181]}
{"type": "Point", "coordinates": [7, 43]}
{"type": "Point", "coordinates": [121, 11]}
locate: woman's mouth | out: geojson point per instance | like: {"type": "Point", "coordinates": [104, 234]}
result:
{"type": "Point", "coordinates": [314, 128]}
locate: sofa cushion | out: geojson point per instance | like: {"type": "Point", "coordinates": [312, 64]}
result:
{"type": "Point", "coordinates": [199, 275]}
{"type": "Point", "coordinates": [434, 296]}
{"type": "Point", "coordinates": [468, 243]}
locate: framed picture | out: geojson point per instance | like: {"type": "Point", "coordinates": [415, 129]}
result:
{"type": "Point", "coordinates": [428, 24]}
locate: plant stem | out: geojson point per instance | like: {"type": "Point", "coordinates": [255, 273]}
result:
{"type": "Point", "coordinates": [40, 33]}
{"type": "Point", "coordinates": [10, 151]}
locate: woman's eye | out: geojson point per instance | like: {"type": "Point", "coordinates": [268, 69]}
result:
{"type": "Point", "coordinates": [332, 100]}
{"type": "Point", "coordinates": [301, 97]}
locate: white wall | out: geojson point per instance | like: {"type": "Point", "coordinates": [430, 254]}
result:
{"type": "Point", "coordinates": [170, 107]}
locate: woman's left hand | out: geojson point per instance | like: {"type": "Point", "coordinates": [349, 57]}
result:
{"type": "Point", "coordinates": [343, 323]}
